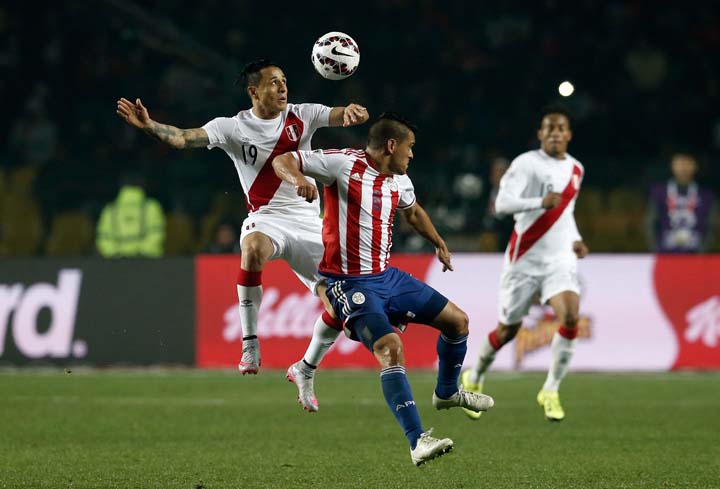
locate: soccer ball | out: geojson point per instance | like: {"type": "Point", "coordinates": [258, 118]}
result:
{"type": "Point", "coordinates": [335, 56]}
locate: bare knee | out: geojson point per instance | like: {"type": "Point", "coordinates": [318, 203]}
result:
{"type": "Point", "coordinates": [462, 323]}
{"type": "Point", "coordinates": [389, 350]}
{"type": "Point", "coordinates": [255, 253]}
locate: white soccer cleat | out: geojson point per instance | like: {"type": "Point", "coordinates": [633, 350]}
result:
{"type": "Point", "coordinates": [250, 361]}
{"type": "Point", "coordinates": [304, 383]}
{"type": "Point", "coordinates": [473, 401]}
{"type": "Point", "coordinates": [428, 448]}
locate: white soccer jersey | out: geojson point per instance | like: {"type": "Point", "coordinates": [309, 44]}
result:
{"type": "Point", "coordinates": [541, 238]}
{"type": "Point", "coordinates": [360, 205]}
{"type": "Point", "coordinates": [252, 143]}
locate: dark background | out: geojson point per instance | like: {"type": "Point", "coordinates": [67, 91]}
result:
{"type": "Point", "coordinates": [472, 75]}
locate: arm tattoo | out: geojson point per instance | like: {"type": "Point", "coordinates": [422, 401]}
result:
{"type": "Point", "coordinates": [178, 138]}
{"type": "Point", "coordinates": [196, 138]}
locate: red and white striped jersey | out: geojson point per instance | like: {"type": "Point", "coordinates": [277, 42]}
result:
{"type": "Point", "coordinates": [360, 205]}
{"type": "Point", "coordinates": [541, 237]}
{"type": "Point", "coordinates": [252, 143]}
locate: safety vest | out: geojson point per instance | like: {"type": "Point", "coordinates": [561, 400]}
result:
{"type": "Point", "coordinates": [132, 225]}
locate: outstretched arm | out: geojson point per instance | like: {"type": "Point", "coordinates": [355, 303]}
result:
{"type": "Point", "coordinates": [137, 115]}
{"type": "Point", "coordinates": [287, 169]}
{"type": "Point", "coordinates": [352, 115]}
{"type": "Point", "coordinates": [421, 223]}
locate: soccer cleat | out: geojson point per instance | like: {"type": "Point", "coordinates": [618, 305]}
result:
{"type": "Point", "coordinates": [550, 402]}
{"type": "Point", "coordinates": [250, 361]}
{"type": "Point", "coordinates": [469, 386]}
{"type": "Point", "coordinates": [304, 383]}
{"type": "Point", "coordinates": [470, 400]}
{"type": "Point", "coordinates": [428, 448]}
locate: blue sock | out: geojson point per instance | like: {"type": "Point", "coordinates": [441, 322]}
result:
{"type": "Point", "coordinates": [400, 401]}
{"type": "Point", "coordinates": [451, 354]}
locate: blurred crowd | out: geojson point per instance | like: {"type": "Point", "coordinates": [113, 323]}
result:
{"type": "Point", "coordinates": [472, 76]}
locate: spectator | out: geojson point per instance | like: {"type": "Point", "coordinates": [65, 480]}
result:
{"type": "Point", "coordinates": [33, 137]}
{"type": "Point", "coordinates": [680, 211]}
{"type": "Point", "coordinates": [226, 239]}
{"type": "Point", "coordinates": [132, 225]}
{"type": "Point", "coordinates": [499, 226]}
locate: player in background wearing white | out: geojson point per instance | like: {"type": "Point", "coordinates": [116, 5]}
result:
{"type": "Point", "coordinates": [280, 224]}
{"type": "Point", "coordinates": [540, 189]}
{"type": "Point", "coordinates": [363, 190]}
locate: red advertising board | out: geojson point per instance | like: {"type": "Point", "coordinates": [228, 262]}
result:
{"type": "Point", "coordinates": [688, 291]}
{"type": "Point", "coordinates": [638, 312]}
{"type": "Point", "coordinates": [286, 318]}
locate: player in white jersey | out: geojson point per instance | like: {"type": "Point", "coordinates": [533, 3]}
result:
{"type": "Point", "coordinates": [540, 189]}
{"type": "Point", "coordinates": [280, 224]}
{"type": "Point", "coordinates": [363, 190]}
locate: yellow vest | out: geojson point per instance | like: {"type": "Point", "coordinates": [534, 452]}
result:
{"type": "Point", "coordinates": [132, 225]}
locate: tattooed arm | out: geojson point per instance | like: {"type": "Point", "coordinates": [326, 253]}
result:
{"type": "Point", "coordinates": [137, 115]}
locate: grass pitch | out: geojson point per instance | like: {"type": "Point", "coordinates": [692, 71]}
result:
{"type": "Point", "coordinates": [215, 429]}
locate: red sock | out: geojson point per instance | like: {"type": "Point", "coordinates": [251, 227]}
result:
{"type": "Point", "coordinates": [331, 321]}
{"type": "Point", "coordinates": [568, 333]}
{"type": "Point", "coordinates": [494, 340]}
{"type": "Point", "coordinates": [249, 279]}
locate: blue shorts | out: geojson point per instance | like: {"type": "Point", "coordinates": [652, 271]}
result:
{"type": "Point", "coordinates": [396, 296]}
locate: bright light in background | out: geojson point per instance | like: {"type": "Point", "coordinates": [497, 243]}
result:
{"type": "Point", "coordinates": [566, 89]}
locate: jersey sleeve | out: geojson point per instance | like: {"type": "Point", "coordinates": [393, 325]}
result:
{"type": "Point", "coordinates": [512, 185]}
{"type": "Point", "coordinates": [219, 131]}
{"type": "Point", "coordinates": [322, 166]}
{"type": "Point", "coordinates": [316, 115]}
{"type": "Point", "coordinates": [406, 189]}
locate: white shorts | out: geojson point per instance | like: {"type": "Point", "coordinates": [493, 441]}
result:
{"type": "Point", "coordinates": [519, 290]}
{"type": "Point", "coordinates": [297, 240]}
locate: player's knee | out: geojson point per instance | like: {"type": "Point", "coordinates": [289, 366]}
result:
{"type": "Point", "coordinates": [389, 350]}
{"type": "Point", "coordinates": [254, 255]}
{"type": "Point", "coordinates": [462, 323]}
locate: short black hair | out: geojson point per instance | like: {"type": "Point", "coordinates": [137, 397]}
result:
{"type": "Point", "coordinates": [389, 126]}
{"type": "Point", "coordinates": [250, 74]}
{"type": "Point", "coordinates": [555, 109]}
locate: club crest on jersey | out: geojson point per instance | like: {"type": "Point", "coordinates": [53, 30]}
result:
{"type": "Point", "coordinates": [292, 132]}
{"type": "Point", "coordinates": [392, 184]}
{"type": "Point", "coordinates": [358, 298]}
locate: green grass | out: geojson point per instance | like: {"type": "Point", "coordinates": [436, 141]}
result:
{"type": "Point", "coordinates": [192, 429]}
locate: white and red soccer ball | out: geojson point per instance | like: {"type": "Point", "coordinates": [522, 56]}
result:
{"type": "Point", "coordinates": [335, 56]}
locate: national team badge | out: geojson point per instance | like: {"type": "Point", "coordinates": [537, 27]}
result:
{"type": "Point", "coordinates": [358, 298]}
{"type": "Point", "coordinates": [392, 184]}
{"type": "Point", "coordinates": [292, 132]}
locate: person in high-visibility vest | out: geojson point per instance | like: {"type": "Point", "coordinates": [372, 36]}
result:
{"type": "Point", "coordinates": [132, 225]}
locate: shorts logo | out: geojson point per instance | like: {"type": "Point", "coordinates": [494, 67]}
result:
{"type": "Point", "coordinates": [358, 298]}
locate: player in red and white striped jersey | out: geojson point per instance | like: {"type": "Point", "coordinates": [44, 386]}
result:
{"type": "Point", "coordinates": [280, 224]}
{"type": "Point", "coordinates": [363, 191]}
{"type": "Point", "coordinates": [540, 188]}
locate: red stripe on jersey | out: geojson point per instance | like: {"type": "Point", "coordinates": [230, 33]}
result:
{"type": "Point", "coordinates": [332, 260]}
{"type": "Point", "coordinates": [394, 199]}
{"type": "Point", "coordinates": [543, 223]}
{"type": "Point", "coordinates": [377, 201]}
{"type": "Point", "coordinates": [266, 183]}
{"type": "Point", "coordinates": [352, 232]}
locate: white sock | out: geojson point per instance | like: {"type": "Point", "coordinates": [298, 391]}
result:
{"type": "Point", "coordinates": [561, 349]}
{"type": "Point", "coordinates": [485, 359]}
{"type": "Point", "coordinates": [322, 339]}
{"type": "Point", "coordinates": [250, 299]}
